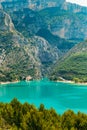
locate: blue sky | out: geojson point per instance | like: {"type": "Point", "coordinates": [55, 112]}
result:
{"type": "Point", "coordinates": [80, 2]}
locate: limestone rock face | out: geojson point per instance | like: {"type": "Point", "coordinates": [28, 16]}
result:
{"type": "Point", "coordinates": [15, 4]}
{"type": "Point", "coordinates": [41, 4]}
{"type": "Point", "coordinates": [68, 23]}
{"type": "Point", "coordinates": [63, 19]}
{"type": "Point", "coordinates": [32, 4]}
{"type": "Point", "coordinates": [35, 34]}
{"type": "Point", "coordinates": [20, 56]}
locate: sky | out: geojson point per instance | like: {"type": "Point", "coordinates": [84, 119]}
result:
{"type": "Point", "coordinates": [80, 2]}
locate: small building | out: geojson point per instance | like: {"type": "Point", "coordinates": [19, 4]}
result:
{"type": "Point", "coordinates": [28, 78]}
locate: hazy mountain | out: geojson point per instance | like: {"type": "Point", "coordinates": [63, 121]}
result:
{"type": "Point", "coordinates": [63, 19]}
{"type": "Point", "coordinates": [31, 23]}
{"type": "Point", "coordinates": [65, 23]}
{"type": "Point", "coordinates": [41, 4]}
{"type": "Point", "coordinates": [32, 4]}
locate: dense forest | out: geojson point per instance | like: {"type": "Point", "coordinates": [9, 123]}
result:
{"type": "Point", "coordinates": [17, 116]}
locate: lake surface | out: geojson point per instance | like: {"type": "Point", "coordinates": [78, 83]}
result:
{"type": "Point", "coordinates": [58, 95]}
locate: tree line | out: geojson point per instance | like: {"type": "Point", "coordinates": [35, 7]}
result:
{"type": "Point", "coordinates": [17, 116]}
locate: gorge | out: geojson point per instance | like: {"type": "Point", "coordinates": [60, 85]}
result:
{"type": "Point", "coordinates": [33, 39]}
{"type": "Point", "coordinates": [43, 65]}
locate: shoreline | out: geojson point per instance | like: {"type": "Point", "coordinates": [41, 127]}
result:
{"type": "Point", "coordinates": [63, 81]}
{"type": "Point", "coordinates": [8, 82]}
{"type": "Point", "coordinates": [72, 82]}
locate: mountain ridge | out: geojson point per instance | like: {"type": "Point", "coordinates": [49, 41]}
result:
{"type": "Point", "coordinates": [20, 56]}
{"type": "Point", "coordinates": [31, 41]}
{"type": "Point", "coordinates": [73, 65]}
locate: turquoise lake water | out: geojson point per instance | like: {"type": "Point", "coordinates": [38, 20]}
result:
{"type": "Point", "coordinates": [58, 95]}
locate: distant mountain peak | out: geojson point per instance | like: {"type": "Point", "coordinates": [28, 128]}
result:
{"type": "Point", "coordinates": [32, 4]}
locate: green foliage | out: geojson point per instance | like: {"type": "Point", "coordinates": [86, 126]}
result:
{"type": "Point", "coordinates": [57, 17]}
{"type": "Point", "coordinates": [17, 116]}
{"type": "Point", "coordinates": [54, 40]}
{"type": "Point", "coordinates": [74, 65]}
{"type": "Point", "coordinates": [26, 24]}
{"type": "Point", "coordinates": [16, 62]}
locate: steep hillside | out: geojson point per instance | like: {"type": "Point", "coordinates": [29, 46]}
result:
{"type": "Point", "coordinates": [31, 41]}
{"type": "Point", "coordinates": [66, 24]}
{"type": "Point", "coordinates": [15, 62]}
{"type": "Point", "coordinates": [30, 23]}
{"type": "Point", "coordinates": [62, 44]}
{"type": "Point", "coordinates": [19, 56]}
{"type": "Point", "coordinates": [26, 21]}
{"type": "Point", "coordinates": [63, 19]}
{"type": "Point", "coordinates": [74, 65]}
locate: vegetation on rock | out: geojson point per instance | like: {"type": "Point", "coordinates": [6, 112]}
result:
{"type": "Point", "coordinates": [73, 65]}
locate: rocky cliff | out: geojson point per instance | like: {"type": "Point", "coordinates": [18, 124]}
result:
{"type": "Point", "coordinates": [65, 23]}
{"type": "Point", "coordinates": [20, 56]}
{"type": "Point", "coordinates": [32, 4]}
{"type": "Point", "coordinates": [63, 19]}
{"type": "Point", "coordinates": [31, 41]}
{"type": "Point", "coordinates": [41, 4]}
{"type": "Point", "coordinates": [15, 62]}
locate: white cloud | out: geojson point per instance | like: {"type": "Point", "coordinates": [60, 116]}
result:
{"type": "Point", "coordinates": [80, 2]}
